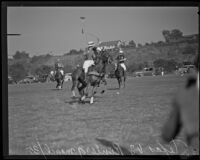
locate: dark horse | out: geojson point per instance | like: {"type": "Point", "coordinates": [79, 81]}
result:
{"type": "Point", "coordinates": [96, 75]}
{"type": "Point", "coordinates": [59, 79]}
{"type": "Point", "coordinates": [120, 74]}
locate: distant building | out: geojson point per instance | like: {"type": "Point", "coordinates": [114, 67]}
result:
{"type": "Point", "coordinates": [110, 44]}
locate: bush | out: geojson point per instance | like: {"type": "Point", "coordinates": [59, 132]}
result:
{"type": "Point", "coordinates": [132, 68]}
{"type": "Point", "coordinates": [189, 50]}
{"type": "Point", "coordinates": [17, 71]}
{"type": "Point", "coordinates": [168, 65]}
{"type": "Point", "coordinates": [43, 70]}
{"type": "Point", "coordinates": [21, 55]}
{"type": "Point", "coordinates": [68, 68]}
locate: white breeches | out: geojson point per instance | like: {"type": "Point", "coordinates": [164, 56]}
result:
{"type": "Point", "coordinates": [62, 72]}
{"type": "Point", "coordinates": [122, 65]}
{"type": "Point", "coordinates": [87, 64]}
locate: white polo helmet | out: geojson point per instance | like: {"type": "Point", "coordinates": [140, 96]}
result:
{"type": "Point", "coordinates": [91, 44]}
{"type": "Point", "coordinates": [98, 48]}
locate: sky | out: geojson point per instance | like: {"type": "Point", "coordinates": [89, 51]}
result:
{"type": "Point", "coordinates": [57, 30]}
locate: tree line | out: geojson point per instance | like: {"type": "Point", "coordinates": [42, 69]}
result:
{"type": "Point", "coordinates": [23, 65]}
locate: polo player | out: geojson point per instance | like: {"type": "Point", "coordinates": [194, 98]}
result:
{"type": "Point", "coordinates": [59, 67]}
{"type": "Point", "coordinates": [89, 57]}
{"type": "Point", "coordinates": [121, 60]}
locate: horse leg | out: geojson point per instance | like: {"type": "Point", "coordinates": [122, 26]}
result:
{"type": "Point", "coordinates": [81, 89]}
{"type": "Point", "coordinates": [92, 96]}
{"type": "Point", "coordinates": [86, 90]}
{"type": "Point", "coordinates": [57, 83]}
{"type": "Point", "coordinates": [74, 84]}
{"type": "Point", "coordinates": [119, 82]}
{"type": "Point", "coordinates": [124, 79]}
{"type": "Point", "coordinates": [62, 83]}
{"type": "Point", "coordinates": [105, 84]}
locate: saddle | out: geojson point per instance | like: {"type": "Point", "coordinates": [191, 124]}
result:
{"type": "Point", "coordinates": [92, 71]}
{"type": "Point", "coordinates": [58, 75]}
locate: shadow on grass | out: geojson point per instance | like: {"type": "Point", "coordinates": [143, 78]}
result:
{"type": "Point", "coordinates": [112, 89]}
{"type": "Point", "coordinates": [76, 100]}
{"type": "Point", "coordinates": [56, 89]}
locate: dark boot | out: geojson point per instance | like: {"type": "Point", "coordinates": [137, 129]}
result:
{"type": "Point", "coordinates": [86, 77]}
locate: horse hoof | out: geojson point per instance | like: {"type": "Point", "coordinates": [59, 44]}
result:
{"type": "Point", "coordinates": [82, 102]}
{"type": "Point", "coordinates": [92, 100]}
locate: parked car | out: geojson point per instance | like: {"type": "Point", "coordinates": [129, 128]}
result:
{"type": "Point", "coordinates": [145, 72]}
{"type": "Point", "coordinates": [68, 77]}
{"type": "Point", "coordinates": [186, 69]}
{"type": "Point", "coordinates": [28, 79]}
{"type": "Point", "coordinates": [11, 80]}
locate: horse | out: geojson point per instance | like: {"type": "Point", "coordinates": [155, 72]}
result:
{"type": "Point", "coordinates": [119, 74]}
{"type": "Point", "coordinates": [59, 78]}
{"type": "Point", "coordinates": [96, 75]}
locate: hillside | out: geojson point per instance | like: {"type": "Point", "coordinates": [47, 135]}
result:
{"type": "Point", "coordinates": [174, 51]}
{"type": "Point", "coordinates": [137, 57]}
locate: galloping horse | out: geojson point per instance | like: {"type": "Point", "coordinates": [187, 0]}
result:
{"type": "Point", "coordinates": [119, 74]}
{"type": "Point", "coordinates": [59, 79]}
{"type": "Point", "coordinates": [96, 74]}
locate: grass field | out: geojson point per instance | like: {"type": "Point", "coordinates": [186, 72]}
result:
{"type": "Point", "coordinates": [43, 120]}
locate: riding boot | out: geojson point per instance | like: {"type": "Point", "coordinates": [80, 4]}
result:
{"type": "Point", "coordinates": [86, 77]}
{"type": "Point", "coordinates": [86, 81]}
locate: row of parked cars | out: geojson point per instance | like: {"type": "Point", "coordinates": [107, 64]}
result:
{"type": "Point", "coordinates": [186, 69]}
{"type": "Point", "coordinates": [158, 71]}
{"type": "Point", "coordinates": [33, 79]}
{"type": "Point", "coordinates": [144, 72]}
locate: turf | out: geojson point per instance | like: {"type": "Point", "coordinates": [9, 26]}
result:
{"type": "Point", "coordinates": [45, 120]}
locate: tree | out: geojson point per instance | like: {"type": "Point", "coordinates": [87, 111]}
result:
{"type": "Point", "coordinates": [43, 70]}
{"type": "Point", "coordinates": [139, 45]}
{"type": "Point", "coordinates": [171, 65]}
{"type": "Point", "coordinates": [68, 68]}
{"type": "Point", "coordinates": [132, 67]}
{"type": "Point", "coordinates": [40, 58]}
{"type": "Point", "coordinates": [17, 71]}
{"type": "Point", "coordinates": [168, 65]}
{"type": "Point", "coordinates": [21, 55]}
{"type": "Point", "coordinates": [189, 50]}
{"type": "Point", "coordinates": [159, 63]}
{"type": "Point", "coordinates": [176, 34]}
{"type": "Point", "coordinates": [173, 34]}
{"type": "Point", "coordinates": [160, 43]}
{"type": "Point", "coordinates": [35, 59]}
{"type": "Point", "coordinates": [132, 44]}
{"type": "Point", "coordinates": [166, 35]}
